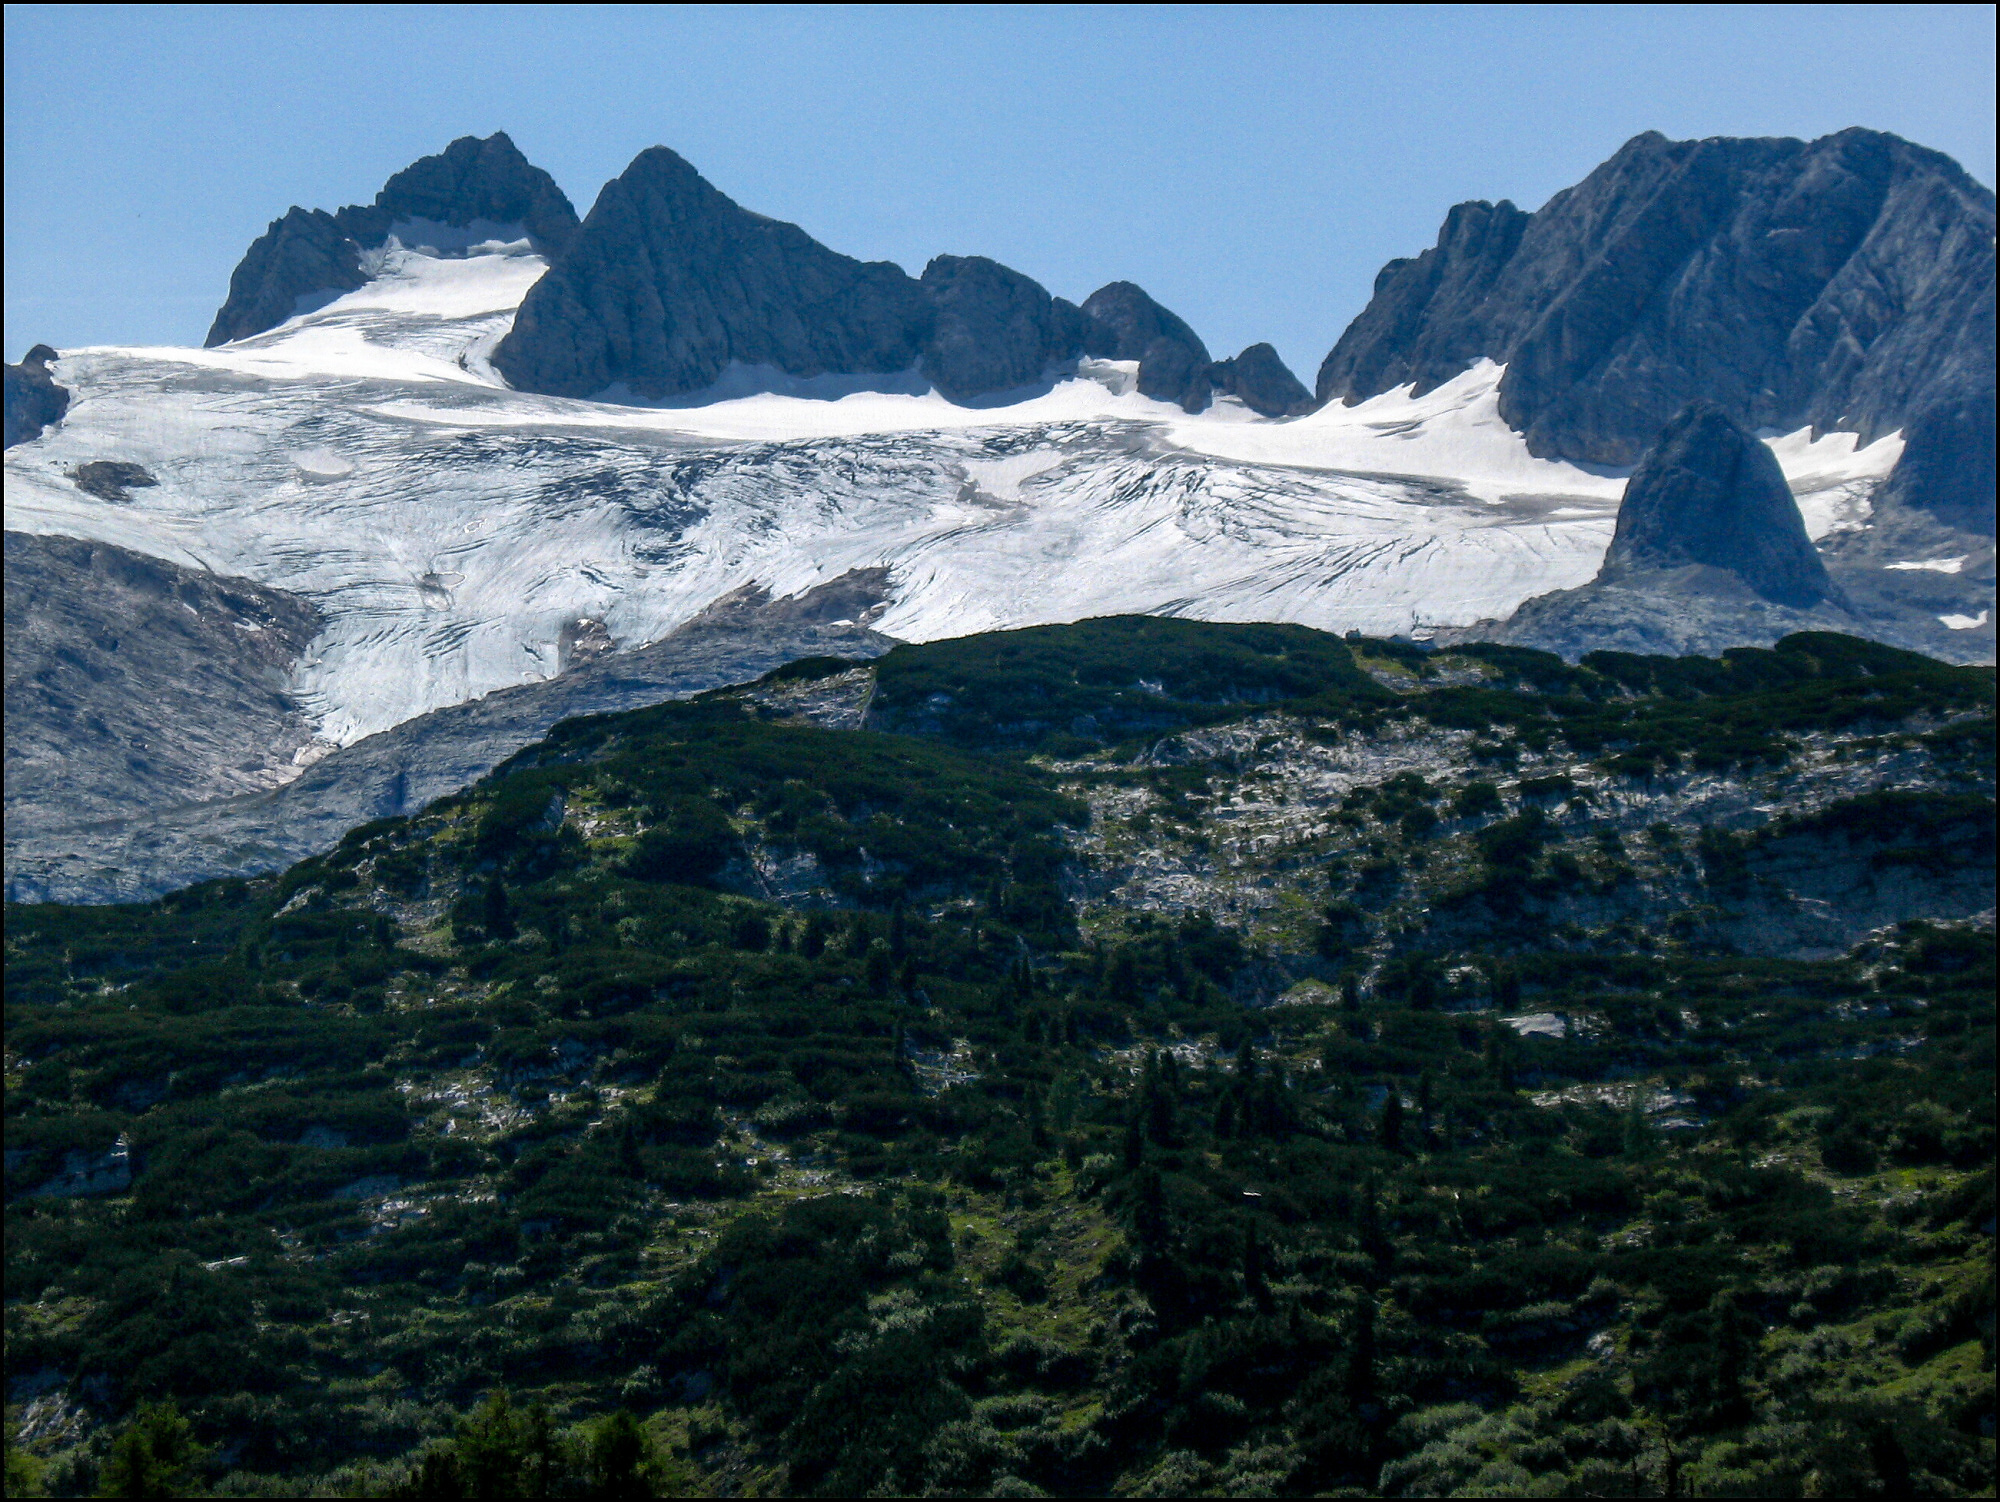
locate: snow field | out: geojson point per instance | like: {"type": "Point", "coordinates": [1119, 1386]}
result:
{"type": "Point", "coordinates": [365, 456]}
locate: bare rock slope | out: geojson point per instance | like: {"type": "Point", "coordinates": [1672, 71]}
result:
{"type": "Point", "coordinates": [134, 684]}
{"type": "Point", "coordinates": [58, 857]}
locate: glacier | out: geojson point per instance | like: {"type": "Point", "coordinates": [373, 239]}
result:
{"type": "Point", "coordinates": [454, 533]}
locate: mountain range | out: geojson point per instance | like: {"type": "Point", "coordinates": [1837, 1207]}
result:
{"type": "Point", "coordinates": [646, 860]}
{"type": "Point", "coordinates": [463, 444]}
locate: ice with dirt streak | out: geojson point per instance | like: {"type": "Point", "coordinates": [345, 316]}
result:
{"type": "Point", "coordinates": [366, 456]}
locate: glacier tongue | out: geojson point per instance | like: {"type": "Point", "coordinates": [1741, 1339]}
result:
{"type": "Point", "coordinates": [365, 456]}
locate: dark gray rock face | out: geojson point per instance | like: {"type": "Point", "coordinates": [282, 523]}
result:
{"type": "Point", "coordinates": [1170, 372]}
{"type": "Point", "coordinates": [1126, 324]}
{"type": "Point", "coordinates": [150, 852]}
{"type": "Point", "coordinates": [34, 400]}
{"type": "Point", "coordinates": [993, 329]}
{"type": "Point", "coordinates": [312, 256]}
{"type": "Point", "coordinates": [1710, 553]}
{"type": "Point", "coordinates": [469, 181]}
{"type": "Point", "coordinates": [1947, 465]}
{"type": "Point", "coordinates": [111, 480]}
{"type": "Point", "coordinates": [1432, 316]}
{"type": "Point", "coordinates": [1262, 382]}
{"type": "Point", "coordinates": [668, 281]}
{"type": "Point", "coordinates": [1709, 493]}
{"type": "Point", "coordinates": [136, 684]}
{"type": "Point", "coordinates": [302, 257]}
{"type": "Point", "coordinates": [1845, 282]}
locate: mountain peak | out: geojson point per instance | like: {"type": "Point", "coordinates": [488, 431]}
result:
{"type": "Point", "coordinates": [1844, 283]}
{"type": "Point", "coordinates": [477, 187]}
{"type": "Point", "coordinates": [1709, 493]}
{"type": "Point", "coordinates": [475, 180]}
{"type": "Point", "coordinates": [670, 281]}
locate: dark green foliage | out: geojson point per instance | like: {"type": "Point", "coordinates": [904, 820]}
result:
{"type": "Point", "coordinates": [689, 841]}
{"type": "Point", "coordinates": [1063, 687]}
{"type": "Point", "coordinates": [1645, 714]}
{"type": "Point", "coordinates": [155, 1455]}
{"type": "Point", "coordinates": [489, 1101]}
{"type": "Point", "coordinates": [1476, 800]}
{"type": "Point", "coordinates": [502, 1450]}
{"type": "Point", "coordinates": [1906, 828]}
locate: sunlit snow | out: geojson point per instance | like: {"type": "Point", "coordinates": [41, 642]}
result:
{"type": "Point", "coordinates": [366, 456]}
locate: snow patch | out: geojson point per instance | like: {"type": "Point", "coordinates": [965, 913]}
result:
{"type": "Point", "coordinates": [1453, 433]}
{"type": "Point", "coordinates": [1934, 565]}
{"type": "Point", "coordinates": [1964, 622]}
{"type": "Point", "coordinates": [319, 465]}
{"type": "Point", "coordinates": [1004, 477]}
{"type": "Point", "coordinates": [482, 237]}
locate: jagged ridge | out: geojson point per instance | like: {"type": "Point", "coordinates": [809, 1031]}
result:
{"type": "Point", "coordinates": [1845, 283]}
{"type": "Point", "coordinates": [309, 252]}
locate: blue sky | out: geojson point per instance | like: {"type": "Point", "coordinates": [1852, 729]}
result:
{"type": "Point", "coordinates": [1250, 167]}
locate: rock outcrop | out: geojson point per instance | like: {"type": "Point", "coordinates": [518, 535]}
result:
{"type": "Point", "coordinates": [133, 683]}
{"type": "Point", "coordinates": [303, 260]}
{"type": "Point", "coordinates": [1710, 552]}
{"type": "Point", "coordinates": [992, 329]}
{"type": "Point", "coordinates": [669, 282]}
{"type": "Point", "coordinates": [34, 400]}
{"type": "Point", "coordinates": [1845, 283]}
{"type": "Point", "coordinates": [1709, 493]}
{"type": "Point", "coordinates": [473, 189]}
{"type": "Point", "coordinates": [112, 480]}
{"type": "Point", "coordinates": [1174, 365]}
{"type": "Point", "coordinates": [1262, 382]}
{"type": "Point", "coordinates": [1126, 324]}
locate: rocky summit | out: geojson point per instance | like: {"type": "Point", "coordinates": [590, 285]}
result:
{"type": "Point", "coordinates": [473, 190]}
{"type": "Point", "coordinates": [1845, 283]}
{"type": "Point", "coordinates": [669, 281]}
